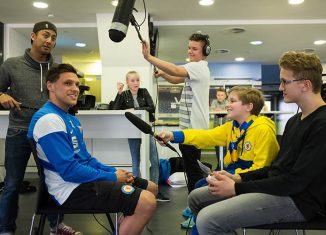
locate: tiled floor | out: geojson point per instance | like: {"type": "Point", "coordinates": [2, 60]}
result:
{"type": "Point", "coordinates": [166, 220]}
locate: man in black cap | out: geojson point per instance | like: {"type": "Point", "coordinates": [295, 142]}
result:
{"type": "Point", "coordinates": [23, 91]}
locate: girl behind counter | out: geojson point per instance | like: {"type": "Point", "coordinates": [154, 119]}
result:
{"type": "Point", "coordinates": [136, 98]}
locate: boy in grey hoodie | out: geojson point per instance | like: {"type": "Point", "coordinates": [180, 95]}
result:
{"type": "Point", "coordinates": [23, 91]}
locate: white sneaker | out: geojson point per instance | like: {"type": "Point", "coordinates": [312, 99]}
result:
{"type": "Point", "coordinates": [64, 230]}
{"type": "Point", "coordinates": [161, 198]}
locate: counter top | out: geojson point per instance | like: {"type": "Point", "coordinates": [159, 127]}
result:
{"type": "Point", "coordinates": [105, 133]}
{"type": "Point", "coordinates": [106, 112]}
{"type": "Point", "coordinates": [263, 112]}
{"type": "Point", "coordinates": [4, 112]}
{"type": "Point", "coordinates": [98, 123]}
{"type": "Point", "coordinates": [92, 112]}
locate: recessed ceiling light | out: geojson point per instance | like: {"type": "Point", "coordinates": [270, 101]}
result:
{"type": "Point", "coordinates": [309, 50]}
{"type": "Point", "coordinates": [40, 5]}
{"type": "Point", "coordinates": [80, 44]}
{"type": "Point", "coordinates": [319, 42]}
{"type": "Point", "coordinates": [234, 30]}
{"type": "Point", "coordinates": [222, 51]}
{"type": "Point", "coordinates": [239, 59]}
{"type": "Point", "coordinates": [295, 2]}
{"type": "Point", "coordinates": [256, 43]}
{"type": "Point", "coordinates": [206, 2]}
{"type": "Point", "coordinates": [114, 3]}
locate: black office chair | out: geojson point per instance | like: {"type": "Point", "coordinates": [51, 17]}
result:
{"type": "Point", "coordinates": [45, 205]}
{"type": "Point", "coordinates": [317, 224]}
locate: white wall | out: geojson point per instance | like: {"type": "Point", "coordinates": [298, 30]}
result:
{"type": "Point", "coordinates": [17, 45]}
{"type": "Point", "coordinates": [89, 68]}
{"type": "Point", "coordinates": [119, 58]}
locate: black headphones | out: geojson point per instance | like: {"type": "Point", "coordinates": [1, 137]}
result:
{"type": "Point", "coordinates": [206, 48]}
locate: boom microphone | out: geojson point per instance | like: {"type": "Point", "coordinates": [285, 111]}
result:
{"type": "Point", "coordinates": [145, 128]}
{"type": "Point", "coordinates": [121, 19]}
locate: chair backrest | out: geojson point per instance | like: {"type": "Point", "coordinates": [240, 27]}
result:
{"type": "Point", "coordinates": [319, 223]}
{"type": "Point", "coordinates": [279, 139]}
{"type": "Point", "coordinates": [44, 197]}
{"type": "Point", "coordinates": [46, 205]}
{"type": "Point", "coordinates": [34, 153]}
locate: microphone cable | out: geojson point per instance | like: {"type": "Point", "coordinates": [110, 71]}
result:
{"type": "Point", "coordinates": [145, 11]}
{"type": "Point", "coordinates": [153, 126]}
{"type": "Point", "coordinates": [186, 93]}
{"type": "Point", "coordinates": [188, 114]}
{"type": "Point", "coordinates": [134, 22]}
{"type": "Point", "coordinates": [102, 225]}
{"type": "Point", "coordinates": [155, 105]}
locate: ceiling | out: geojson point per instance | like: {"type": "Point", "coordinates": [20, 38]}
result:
{"type": "Point", "coordinates": [280, 26]}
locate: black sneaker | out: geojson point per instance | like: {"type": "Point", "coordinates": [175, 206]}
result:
{"type": "Point", "coordinates": [161, 198]}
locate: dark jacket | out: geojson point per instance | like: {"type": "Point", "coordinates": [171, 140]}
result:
{"type": "Point", "coordinates": [299, 169]}
{"type": "Point", "coordinates": [26, 79]}
{"type": "Point", "coordinates": [125, 101]}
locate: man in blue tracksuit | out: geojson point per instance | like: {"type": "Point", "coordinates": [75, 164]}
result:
{"type": "Point", "coordinates": [72, 175]}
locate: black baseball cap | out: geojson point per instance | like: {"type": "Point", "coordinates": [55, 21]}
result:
{"type": "Point", "coordinates": [44, 25]}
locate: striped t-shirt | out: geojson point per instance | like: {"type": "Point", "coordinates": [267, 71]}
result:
{"type": "Point", "coordinates": [194, 102]}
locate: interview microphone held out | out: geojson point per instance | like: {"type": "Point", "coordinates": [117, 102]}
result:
{"type": "Point", "coordinates": [145, 128]}
{"type": "Point", "coordinates": [121, 19]}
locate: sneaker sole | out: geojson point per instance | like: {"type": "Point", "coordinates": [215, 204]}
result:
{"type": "Point", "coordinates": [162, 200]}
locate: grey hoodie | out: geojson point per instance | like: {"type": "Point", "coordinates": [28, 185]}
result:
{"type": "Point", "coordinates": [26, 79]}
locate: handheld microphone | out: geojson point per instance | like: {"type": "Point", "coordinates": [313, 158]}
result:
{"type": "Point", "coordinates": [121, 19]}
{"type": "Point", "coordinates": [145, 128]}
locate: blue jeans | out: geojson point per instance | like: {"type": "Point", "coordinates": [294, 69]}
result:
{"type": "Point", "coordinates": [223, 216]}
{"type": "Point", "coordinates": [134, 146]}
{"type": "Point", "coordinates": [17, 154]}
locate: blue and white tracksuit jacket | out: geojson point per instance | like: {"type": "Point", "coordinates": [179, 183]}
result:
{"type": "Point", "coordinates": [62, 152]}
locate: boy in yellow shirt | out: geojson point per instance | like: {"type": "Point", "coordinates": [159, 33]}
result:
{"type": "Point", "coordinates": [250, 139]}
